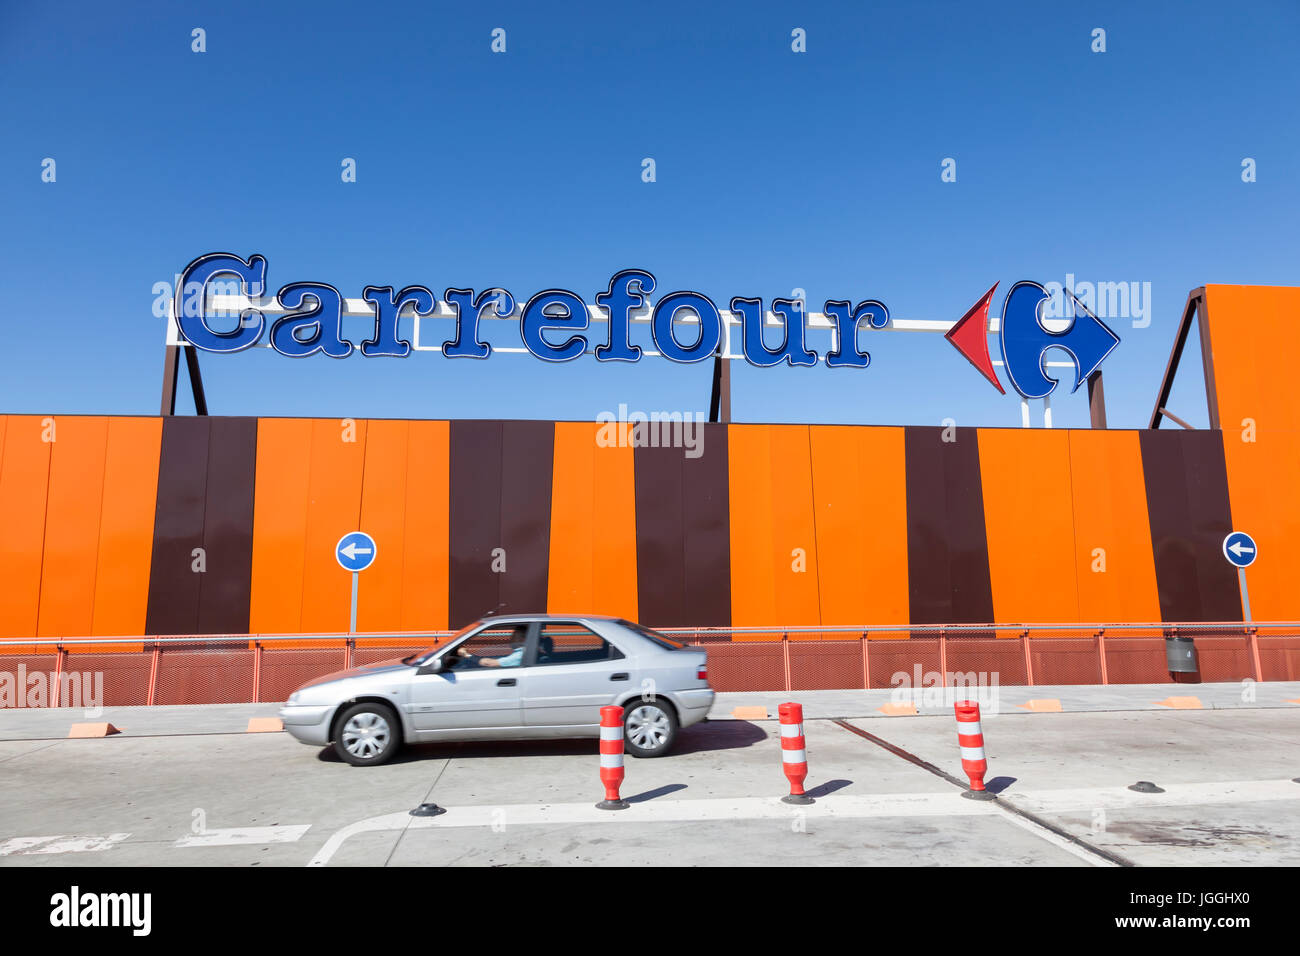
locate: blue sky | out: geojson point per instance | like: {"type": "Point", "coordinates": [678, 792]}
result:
{"type": "Point", "coordinates": [775, 170]}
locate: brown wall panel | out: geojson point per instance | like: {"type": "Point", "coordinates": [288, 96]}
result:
{"type": "Point", "coordinates": [660, 538]}
{"type": "Point", "coordinates": [1187, 506]}
{"type": "Point", "coordinates": [228, 527]}
{"type": "Point", "coordinates": [527, 465]}
{"type": "Point", "coordinates": [475, 523]}
{"type": "Point", "coordinates": [947, 551]}
{"type": "Point", "coordinates": [706, 519]}
{"type": "Point", "coordinates": [178, 527]}
{"type": "Point", "coordinates": [683, 534]}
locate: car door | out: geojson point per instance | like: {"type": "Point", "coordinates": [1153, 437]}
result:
{"type": "Point", "coordinates": [572, 674]}
{"type": "Point", "coordinates": [470, 693]}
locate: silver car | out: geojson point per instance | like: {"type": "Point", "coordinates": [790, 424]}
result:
{"type": "Point", "coordinates": [515, 677]}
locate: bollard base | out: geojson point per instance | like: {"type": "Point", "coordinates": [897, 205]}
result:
{"type": "Point", "coordinates": [798, 799]}
{"type": "Point", "coordinates": [613, 805]}
{"type": "Point", "coordinates": [979, 795]}
{"type": "Point", "coordinates": [428, 810]}
{"type": "Point", "coordinates": [1145, 786]}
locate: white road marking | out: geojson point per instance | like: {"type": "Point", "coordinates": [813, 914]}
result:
{"type": "Point", "coordinates": [947, 803]}
{"type": "Point", "coordinates": [944, 804]}
{"type": "Point", "coordinates": [1058, 841]}
{"type": "Point", "coordinates": [30, 846]}
{"type": "Point", "coordinates": [1176, 794]}
{"type": "Point", "coordinates": [237, 836]}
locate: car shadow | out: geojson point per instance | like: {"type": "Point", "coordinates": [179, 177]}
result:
{"type": "Point", "coordinates": [709, 735]}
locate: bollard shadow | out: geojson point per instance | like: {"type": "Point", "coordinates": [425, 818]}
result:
{"type": "Point", "coordinates": [656, 792]}
{"type": "Point", "coordinates": [998, 784]}
{"type": "Point", "coordinates": [827, 788]}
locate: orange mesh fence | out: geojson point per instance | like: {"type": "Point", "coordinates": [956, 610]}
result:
{"type": "Point", "coordinates": [248, 668]}
{"type": "Point", "coordinates": [825, 664]}
{"type": "Point", "coordinates": [204, 673]}
{"type": "Point", "coordinates": [1063, 660]}
{"type": "Point", "coordinates": [117, 680]}
{"type": "Point", "coordinates": [1279, 654]}
{"type": "Point", "coordinates": [281, 671]}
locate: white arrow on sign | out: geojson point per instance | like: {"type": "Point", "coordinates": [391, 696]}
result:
{"type": "Point", "coordinates": [351, 551]}
{"type": "Point", "coordinates": [1238, 549]}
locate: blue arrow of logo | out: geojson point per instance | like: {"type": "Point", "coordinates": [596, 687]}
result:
{"type": "Point", "coordinates": [1024, 340]}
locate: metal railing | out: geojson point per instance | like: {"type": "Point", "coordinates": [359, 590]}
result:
{"type": "Point", "coordinates": [237, 668]}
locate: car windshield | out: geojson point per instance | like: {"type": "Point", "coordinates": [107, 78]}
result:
{"type": "Point", "coordinates": [655, 636]}
{"type": "Point", "coordinates": [421, 657]}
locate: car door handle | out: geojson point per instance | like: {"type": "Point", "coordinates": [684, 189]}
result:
{"type": "Point", "coordinates": [506, 682]}
{"type": "Point", "coordinates": [619, 676]}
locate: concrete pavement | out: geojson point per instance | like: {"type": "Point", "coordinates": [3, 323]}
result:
{"type": "Point", "coordinates": [216, 797]}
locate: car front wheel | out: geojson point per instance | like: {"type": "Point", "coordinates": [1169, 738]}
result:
{"type": "Point", "coordinates": [649, 728]}
{"type": "Point", "coordinates": [368, 734]}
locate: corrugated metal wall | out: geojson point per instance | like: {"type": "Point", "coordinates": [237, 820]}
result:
{"type": "Point", "coordinates": [227, 525]}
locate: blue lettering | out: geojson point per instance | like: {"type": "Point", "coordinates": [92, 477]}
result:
{"type": "Point", "coordinates": [661, 326]}
{"type": "Point", "coordinates": [191, 295]}
{"type": "Point", "coordinates": [323, 319]}
{"type": "Point", "coordinates": [536, 320]}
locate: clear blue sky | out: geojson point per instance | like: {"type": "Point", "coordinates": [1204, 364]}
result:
{"type": "Point", "coordinates": [775, 170]}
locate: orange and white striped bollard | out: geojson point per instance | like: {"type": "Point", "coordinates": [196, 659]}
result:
{"type": "Point", "coordinates": [611, 758]}
{"type": "Point", "coordinates": [794, 753]}
{"type": "Point", "coordinates": [970, 738]}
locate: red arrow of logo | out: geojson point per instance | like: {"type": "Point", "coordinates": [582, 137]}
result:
{"type": "Point", "coordinates": [970, 336]}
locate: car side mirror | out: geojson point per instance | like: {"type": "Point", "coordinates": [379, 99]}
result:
{"type": "Point", "coordinates": [432, 667]}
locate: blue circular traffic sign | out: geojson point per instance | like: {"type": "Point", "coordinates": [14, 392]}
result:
{"type": "Point", "coordinates": [1239, 549]}
{"type": "Point", "coordinates": [355, 551]}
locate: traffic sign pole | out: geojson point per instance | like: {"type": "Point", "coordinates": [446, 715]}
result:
{"type": "Point", "coordinates": [353, 630]}
{"type": "Point", "coordinates": [1245, 595]}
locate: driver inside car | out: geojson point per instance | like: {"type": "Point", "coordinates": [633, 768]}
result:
{"type": "Point", "coordinates": [513, 659]}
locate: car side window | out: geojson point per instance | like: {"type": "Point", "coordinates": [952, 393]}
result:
{"type": "Point", "coordinates": [562, 643]}
{"type": "Point", "coordinates": [501, 646]}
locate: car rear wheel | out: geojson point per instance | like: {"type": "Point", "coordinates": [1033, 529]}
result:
{"type": "Point", "coordinates": [368, 734]}
{"type": "Point", "coordinates": [649, 728]}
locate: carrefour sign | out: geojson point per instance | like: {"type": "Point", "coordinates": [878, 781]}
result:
{"type": "Point", "coordinates": [552, 323]}
{"type": "Point", "coordinates": [306, 318]}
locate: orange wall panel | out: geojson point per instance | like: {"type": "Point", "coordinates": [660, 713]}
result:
{"type": "Point", "coordinates": [1110, 513]}
{"type": "Point", "coordinates": [1029, 522]}
{"type": "Point", "coordinates": [425, 550]}
{"type": "Point", "coordinates": [280, 503]}
{"type": "Point", "coordinates": [1254, 379]}
{"type": "Point", "coordinates": [770, 489]}
{"type": "Point", "coordinates": [333, 510]}
{"type": "Point", "coordinates": [24, 480]}
{"type": "Point", "coordinates": [126, 526]}
{"type": "Point", "coordinates": [592, 564]}
{"type": "Point", "coordinates": [383, 517]}
{"type": "Point", "coordinates": [860, 496]}
{"type": "Point", "coordinates": [72, 506]}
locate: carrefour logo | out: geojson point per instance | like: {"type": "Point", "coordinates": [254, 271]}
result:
{"type": "Point", "coordinates": [1026, 340]}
